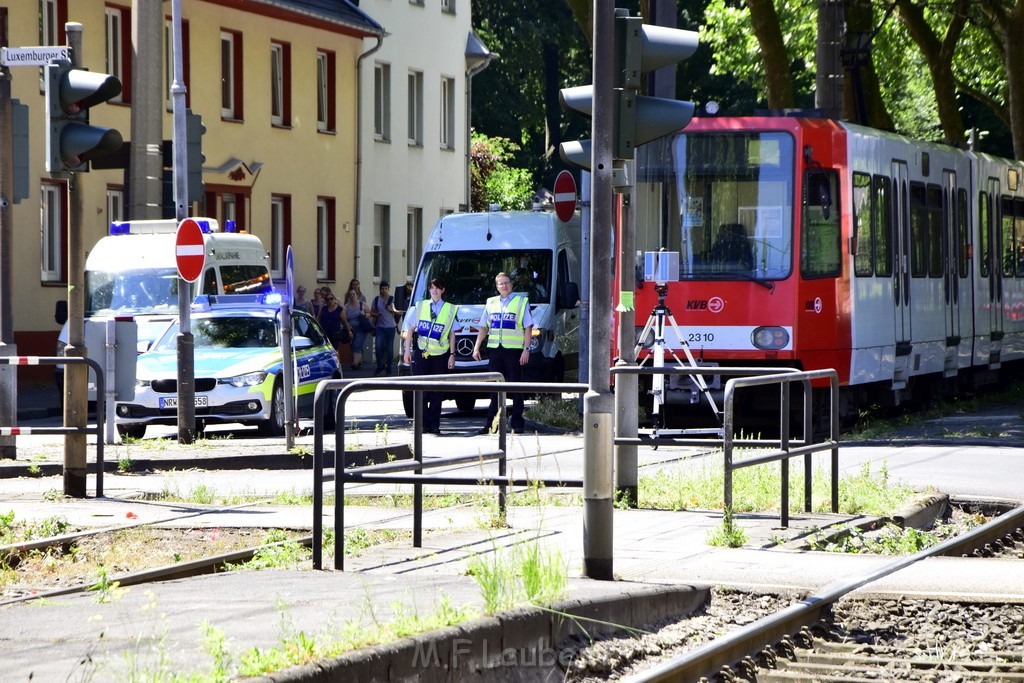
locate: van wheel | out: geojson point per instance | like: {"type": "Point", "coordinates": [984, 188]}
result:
{"type": "Point", "coordinates": [407, 397]}
{"type": "Point", "coordinates": [131, 431]}
{"type": "Point", "coordinates": [274, 425]}
{"type": "Point", "coordinates": [465, 403]}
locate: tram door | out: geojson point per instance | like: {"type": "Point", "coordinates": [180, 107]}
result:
{"type": "Point", "coordinates": [901, 265]}
{"type": "Point", "coordinates": [952, 234]}
{"type": "Point", "coordinates": [995, 269]}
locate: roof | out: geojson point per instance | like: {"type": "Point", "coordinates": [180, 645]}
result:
{"type": "Point", "coordinates": [335, 11]}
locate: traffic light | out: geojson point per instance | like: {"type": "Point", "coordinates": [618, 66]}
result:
{"type": "Point", "coordinates": [70, 141]}
{"type": "Point", "coordinates": [194, 130]}
{"type": "Point", "coordinates": [637, 119]}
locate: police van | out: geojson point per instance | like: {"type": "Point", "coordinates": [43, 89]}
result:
{"type": "Point", "coordinates": [132, 272]}
{"type": "Point", "coordinates": [541, 255]}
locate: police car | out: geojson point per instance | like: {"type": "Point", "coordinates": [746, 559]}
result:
{"type": "Point", "coordinates": [238, 367]}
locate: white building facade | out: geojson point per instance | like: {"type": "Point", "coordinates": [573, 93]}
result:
{"type": "Point", "coordinates": [413, 156]}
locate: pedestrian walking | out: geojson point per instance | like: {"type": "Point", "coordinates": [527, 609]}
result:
{"type": "Point", "coordinates": [383, 312]}
{"type": "Point", "coordinates": [332, 319]}
{"type": "Point", "coordinates": [300, 302]}
{"type": "Point", "coordinates": [507, 325]}
{"type": "Point", "coordinates": [430, 347]}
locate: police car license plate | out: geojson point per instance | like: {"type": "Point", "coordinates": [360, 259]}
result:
{"type": "Point", "coordinates": [172, 402]}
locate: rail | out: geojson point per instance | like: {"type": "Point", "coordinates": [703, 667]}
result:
{"type": "Point", "coordinates": [101, 386]}
{"type": "Point", "coordinates": [411, 472]}
{"type": "Point", "coordinates": [785, 448]}
{"type": "Point", "coordinates": [732, 647]}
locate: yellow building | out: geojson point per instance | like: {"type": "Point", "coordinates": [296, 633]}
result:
{"type": "Point", "coordinates": [276, 86]}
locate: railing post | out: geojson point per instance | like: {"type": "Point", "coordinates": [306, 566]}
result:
{"type": "Point", "coordinates": [417, 447]}
{"type": "Point", "coordinates": [318, 477]}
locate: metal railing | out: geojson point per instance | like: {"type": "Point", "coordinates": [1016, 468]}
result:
{"type": "Point", "coordinates": [412, 472]}
{"type": "Point", "coordinates": [783, 448]}
{"type": "Point", "coordinates": [15, 430]}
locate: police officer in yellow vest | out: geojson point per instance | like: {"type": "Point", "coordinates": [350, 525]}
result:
{"type": "Point", "coordinates": [430, 347]}
{"type": "Point", "coordinates": [508, 326]}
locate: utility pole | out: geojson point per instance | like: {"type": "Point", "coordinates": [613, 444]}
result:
{"type": "Point", "coordinates": [186, 342]}
{"type": "Point", "coordinates": [76, 399]}
{"type": "Point", "coordinates": [8, 373]}
{"type": "Point", "coordinates": [145, 189]}
{"type": "Point", "coordinates": [597, 403]}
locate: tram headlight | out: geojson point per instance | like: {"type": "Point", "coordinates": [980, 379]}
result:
{"type": "Point", "coordinates": [769, 338]}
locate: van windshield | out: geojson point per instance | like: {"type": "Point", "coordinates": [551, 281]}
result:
{"type": "Point", "coordinates": [131, 292]}
{"type": "Point", "coordinates": [469, 275]}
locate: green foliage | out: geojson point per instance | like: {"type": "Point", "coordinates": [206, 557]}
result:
{"type": "Point", "coordinates": [757, 489]}
{"type": "Point", "coordinates": [728, 534]}
{"type": "Point", "coordinates": [493, 180]}
{"type": "Point", "coordinates": [527, 573]}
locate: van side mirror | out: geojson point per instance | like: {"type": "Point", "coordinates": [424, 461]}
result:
{"type": "Point", "coordinates": [60, 312]}
{"type": "Point", "coordinates": [568, 296]}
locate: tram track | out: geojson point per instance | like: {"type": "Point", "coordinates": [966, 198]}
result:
{"type": "Point", "coordinates": [787, 635]}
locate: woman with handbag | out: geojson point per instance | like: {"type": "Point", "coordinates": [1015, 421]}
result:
{"type": "Point", "coordinates": [336, 327]}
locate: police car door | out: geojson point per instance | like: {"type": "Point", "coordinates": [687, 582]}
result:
{"type": "Point", "coordinates": [312, 363]}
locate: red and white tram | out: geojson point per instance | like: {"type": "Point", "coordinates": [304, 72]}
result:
{"type": "Point", "coordinates": [812, 243]}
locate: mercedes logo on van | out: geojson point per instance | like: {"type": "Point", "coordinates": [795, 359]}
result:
{"type": "Point", "coordinates": [464, 346]}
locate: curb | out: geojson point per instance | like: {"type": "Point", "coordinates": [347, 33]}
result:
{"type": "Point", "coordinates": [518, 645]}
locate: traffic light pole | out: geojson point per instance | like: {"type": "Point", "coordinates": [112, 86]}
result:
{"type": "Point", "coordinates": [9, 373]}
{"type": "Point", "coordinates": [598, 403]}
{"type": "Point", "coordinates": [76, 397]}
{"type": "Point", "coordinates": [186, 342]}
{"type": "Point", "coordinates": [626, 385]}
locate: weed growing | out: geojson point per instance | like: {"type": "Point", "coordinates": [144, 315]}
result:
{"type": "Point", "coordinates": [529, 572]}
{"type": "Point", "coordinates": [757, 489]}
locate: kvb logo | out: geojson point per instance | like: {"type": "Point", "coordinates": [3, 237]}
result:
{"type": "Point", "coordinates": [715, 304]}
{"type": "Point", "coordinates": [697, 305]}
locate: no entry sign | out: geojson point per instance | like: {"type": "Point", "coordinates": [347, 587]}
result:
{"type": "Point", "coordinates": [565, 196]}
{"type": "Point", "coordinates": [190, 250]}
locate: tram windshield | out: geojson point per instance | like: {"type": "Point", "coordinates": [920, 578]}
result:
{"type": "Point", "coordinates": [723, 201]}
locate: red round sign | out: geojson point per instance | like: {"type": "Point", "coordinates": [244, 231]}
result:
{"type": "Point", "coordinates": [565, 196]}
{"type": "Point", "coordinates": [190, 250]}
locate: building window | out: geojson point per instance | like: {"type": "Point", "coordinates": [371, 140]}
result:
{"type": "Point", "coordinates": [231, 75]}
{"type": "Point", "coordinates": [228, 208]}
{"type": "Point", "coordinates": [382, 101]}
{"type": "Point", "coordinates": [52, 233]}
{"type": "Point", "coordinates": [325, 238]}
{"type": "Point", "coordinates": [169, 62]}
{"type": "Point", "coordinates": [119, 48]}
{"type": "Point", "coordinates": [448, 113]}
{"type": "Point", "coordinates": [448, 6]}
{"type": "Point", "coordinates": [416, 108]}
{"type": "Point", "coordinates": [280, 84]}
{"type": "Point", "coordinates": [413, 239]}
{"type": "Point", "coordinates": [381, 240]}
{"type": "Point", "coordinates": [280, 232]}
{"type": "Point", "coordinates": [115, 204]}
{"type": "Point", "coordinates": [325, 114]}
{"type": "Point", "coordinates": [53, 14]}
{"type": "Point", "coordinates": [418, 3]}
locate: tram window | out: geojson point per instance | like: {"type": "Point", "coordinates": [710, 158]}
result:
{"type": "Point", "coordinates": [984, 230]}
{"type": "Point", "coordinates": [882, 221]}
{"type": "Point", "coordinates": [963, 233]}
{"type": "Point", "coordinates": [918, 231]}
{"type": "Point", "coordinates": [935, 231]}
{"type": "Point", "coordinates": [820, 234]}
{"type": "Point", "coordinates": [1008, 246]}
{"type": "Point", "coordinates": [862, 214]}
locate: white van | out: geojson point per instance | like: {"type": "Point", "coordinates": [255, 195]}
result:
{"type": "Point", "coordinates": [542, 256]}
{"type": "Point", "coordinates": [133, 272]}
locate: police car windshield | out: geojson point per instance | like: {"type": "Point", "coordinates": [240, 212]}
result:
{"type": "Point", "coordinates": [469, 275]}
{"type": "Point", "coordinates": [124, 292]}
{"type": "Point", "coordinates": [225, 332]}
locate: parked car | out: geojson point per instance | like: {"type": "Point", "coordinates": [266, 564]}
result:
{"type": "Point", "coordinates": [238, 367]}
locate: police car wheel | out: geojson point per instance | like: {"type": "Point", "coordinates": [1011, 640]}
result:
{"type": "Point", "coordinates": [274, 425]}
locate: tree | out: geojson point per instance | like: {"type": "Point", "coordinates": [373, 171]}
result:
{"type": "Point", "coordinates": [542, 50]}
{"type": "Point", "coordinates": [492, 180]}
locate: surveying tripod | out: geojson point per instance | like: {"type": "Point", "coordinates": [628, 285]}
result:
{"type": "Point", "coordinates": [656, 322]}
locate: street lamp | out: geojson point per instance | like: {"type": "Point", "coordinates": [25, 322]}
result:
{"type": "Point", "coordinates": [478, 58]}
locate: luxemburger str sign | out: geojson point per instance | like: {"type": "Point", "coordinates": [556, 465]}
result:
{"type": "Point", "coordinates": [34, 56]}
